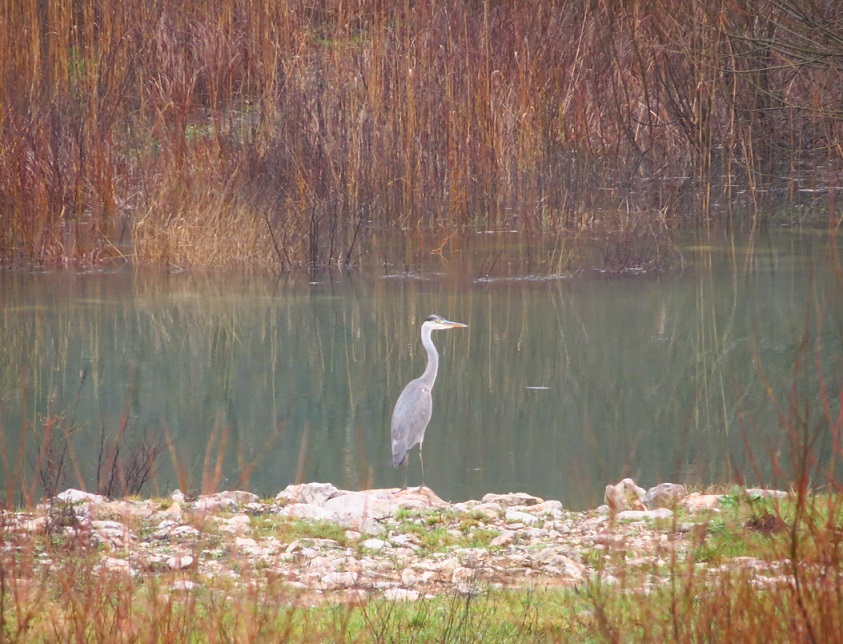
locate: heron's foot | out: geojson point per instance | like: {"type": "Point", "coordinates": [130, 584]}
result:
{"type": "Point", "coordinates": [420, 488]}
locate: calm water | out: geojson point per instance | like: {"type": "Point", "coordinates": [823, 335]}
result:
{"type": "Point", "coordinates": [561, 384]}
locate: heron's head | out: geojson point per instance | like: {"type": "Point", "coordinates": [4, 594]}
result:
{"type": "Point", "coordinates": [437, 323]}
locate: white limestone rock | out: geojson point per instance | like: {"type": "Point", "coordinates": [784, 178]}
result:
{"type": "Point", "coordinates": [184, 585]}
{"type": "Point", "coordinates": [400, 594]}
{"type": "Point", "coordinates": [374, 544]}
{"type": "Point", "coordinates": [111, 532]}
{"type": "Point", "coordinates": [697, 502]}
{"type": "Point", "coordinates": [337, 579]}
{"type": "Point", "coordinates": [74, 496]}
{"type": "Point", "coordinates": [642, 515]}
{"type": "Point", "coordinates": [625, 495]}
{"type": "Point", "coordinates": [361, 511]}
{"type": "Point", "coordinates": [409, 577]}
{"type": "Point", "coordinates": [505, 538]}
{"type": "Point", "coordinates": [664, 495]}
{"type": "Point", "coordinates": [179, 562]}
{"type": "Point", "coordinates": [306, 511]}
{"type": "Point", "coordinates": [759, 493]}
{"type": "Point", "coordinates": [230, 500]}
{"type": "Point", "coordinates": [237, 525]}
{"type": "Point", "coordinates": [512, 499]}
{"type": "Point", "coordinates": [551, 507]}
{"type": "Point", "coordinates": [310, 493]}
{"type": "Point", "coordinates": [491, 510]}
{"type": "Point", "coordinates": [119, 565]}
{"type": "Point", "coordinates": [516, 516]}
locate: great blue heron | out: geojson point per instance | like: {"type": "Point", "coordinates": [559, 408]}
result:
{"type": "Point", "coordinates": [415, 404]}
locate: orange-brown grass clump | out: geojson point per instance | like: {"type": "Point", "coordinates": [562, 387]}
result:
{"type": "Point", "coordinates": [264, 133]}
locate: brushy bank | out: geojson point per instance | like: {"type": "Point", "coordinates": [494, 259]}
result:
{"type": "Point", "coordinates": [255, 133]}
{"type": "Point", "coordinates": [743, 565]}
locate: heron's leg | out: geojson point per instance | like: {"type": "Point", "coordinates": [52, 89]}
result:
{"type": "Point", "coordinates": [421, 460]}
{"type": "Point", "coordinates": [406, 464]}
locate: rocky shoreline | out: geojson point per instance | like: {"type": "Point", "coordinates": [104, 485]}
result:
{"type": "Point", "coordinates": [325, 543]}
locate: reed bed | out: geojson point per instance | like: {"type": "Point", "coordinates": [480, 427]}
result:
{"type": "Point", "coordinates": [266, 134]}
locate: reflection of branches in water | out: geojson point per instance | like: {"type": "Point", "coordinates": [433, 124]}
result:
{"type": "Point", "coordinates": [621, 363]}
{"type": "Point", "coordinates": [248, 467]}
{"type": "Point", "coordinates": [120, 474]}
{"type": "Point", "coordinates": [638, 248]}
{"type": "Point", "coordinates": [51, 466]}
{"type": "Point", "coordinates": [122, 468]}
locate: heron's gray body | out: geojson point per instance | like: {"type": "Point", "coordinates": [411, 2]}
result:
{"type": "Point", "coordinates": [410, 418]}
{"type": "Point", "coordinates": [415, 404]}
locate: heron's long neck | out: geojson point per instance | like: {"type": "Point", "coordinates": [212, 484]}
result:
{"type": "Point", "coordinates": [429, 375]}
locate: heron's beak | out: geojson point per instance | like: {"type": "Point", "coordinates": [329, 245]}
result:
{"type": "Point", "coordinates": [454, 325]}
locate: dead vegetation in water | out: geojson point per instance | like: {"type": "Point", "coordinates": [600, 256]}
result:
{"type": "Point", "coordinates": [204, 232]}
{"type": "Point", "coordinates": [275, 134]}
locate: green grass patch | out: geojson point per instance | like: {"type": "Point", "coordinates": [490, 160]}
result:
{"type": "Point", "coordinates": [287, 530]}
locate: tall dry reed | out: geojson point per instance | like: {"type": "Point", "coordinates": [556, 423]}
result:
{"type": "Point", "coordinates": [262, 133]}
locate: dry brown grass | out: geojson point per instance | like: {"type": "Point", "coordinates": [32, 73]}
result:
{"type": "Point", "coordinates": [204, 233]}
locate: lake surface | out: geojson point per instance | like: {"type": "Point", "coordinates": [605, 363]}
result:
{"type": "Point", "coordinates": [561, 384]}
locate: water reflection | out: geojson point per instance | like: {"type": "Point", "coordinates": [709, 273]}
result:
{"type": "Point", "coordinates": [558, 387]}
